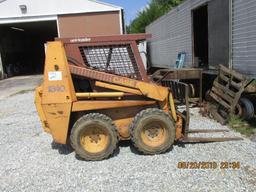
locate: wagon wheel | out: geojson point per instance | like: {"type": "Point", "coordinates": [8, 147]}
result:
{"type": "Point", "coordinates": [152, 131]}
{"type": "Point", "coordinates": [94, 137]}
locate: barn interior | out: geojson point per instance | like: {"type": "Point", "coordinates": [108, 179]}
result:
{"type": "Point", "coordinates": [22, 46]}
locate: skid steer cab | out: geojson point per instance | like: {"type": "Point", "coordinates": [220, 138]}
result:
{"type": "Point", "coordinates": [96, 92]}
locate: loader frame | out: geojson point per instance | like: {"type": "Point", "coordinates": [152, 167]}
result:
{"type": "Point", "coordinates": [57, 101]}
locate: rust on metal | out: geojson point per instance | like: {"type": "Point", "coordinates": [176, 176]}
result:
{"type": "Point", "coordinates": [207, 130]}
{"type": "Point", "coordinates": [104, 39]}
{"type": "Point", "coordinates": [180, 75]}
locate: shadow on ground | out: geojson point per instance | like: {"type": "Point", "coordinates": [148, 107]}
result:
{"type": "Point", "coordinates": [62, 149]}
{"type": "Point", "coordinates": [67, 149]}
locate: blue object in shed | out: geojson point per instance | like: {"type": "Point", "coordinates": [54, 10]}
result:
{"type": "Point", "coordinates": [180, 60]}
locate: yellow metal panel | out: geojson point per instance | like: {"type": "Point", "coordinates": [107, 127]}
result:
{"type": "Point", "coordinates": [123, 127]}
{"type": "Point", "coordinates": [58, 85]}
{"type": "Point", "coordinates": [150, 90]}
{"type": "Point", "coordinates": [123, 117]}
{"type": "Point", "coordinates": [118, 88]}
{"type": "Point", "coordinates": [172, 105]}
{"type": "Point", "coordinates": [96, 105]}
{"type": "Point", "coordinates": [178, 127]}
{"type": "Point", "coordinates": [153, 91]}
{"type": "Point", "coordinates": [57, 116]}
{"type": "Point", "coordinates": [54, 99]}
{"type": "Point", "coordinates": [38, 103]}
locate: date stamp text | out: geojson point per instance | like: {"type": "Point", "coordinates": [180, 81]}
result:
{"type": "Point", "coordinates": [209, 165]}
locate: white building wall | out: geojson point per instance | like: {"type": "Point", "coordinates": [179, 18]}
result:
{"type": "Point", "coordinates": [48, 9]}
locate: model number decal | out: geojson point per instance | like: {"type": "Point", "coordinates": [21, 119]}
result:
{"type": "Point", "coordinates": [56, 88]}
{"type": "Point", "coordinates": [80, 40]}
{"type": "Point", "coordinates": [55, 76]}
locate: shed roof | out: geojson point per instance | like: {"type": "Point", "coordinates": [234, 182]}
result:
{"type": "Point", "coordinates": [10, 9]}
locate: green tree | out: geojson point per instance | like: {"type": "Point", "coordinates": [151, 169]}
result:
{"type": "Point", "coordinates": [154, 10]}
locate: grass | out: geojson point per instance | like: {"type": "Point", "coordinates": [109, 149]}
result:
{"type": "Point", "coordinates": [247, 128]}
{"type": "Point", "coordinates": [252, 87]}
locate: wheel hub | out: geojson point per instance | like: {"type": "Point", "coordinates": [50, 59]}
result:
{"type": "Point", "coordinates": [94, 139]}
{"type": "Point", "coordinates": [153, 132]}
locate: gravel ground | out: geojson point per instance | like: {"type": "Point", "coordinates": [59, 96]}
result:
{"type": "Point", "coordinates": [18, 84]}
{"type": "Point", "coordinates": [30, 161]}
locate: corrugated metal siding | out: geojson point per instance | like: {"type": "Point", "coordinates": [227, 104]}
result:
{"type": "Point", "coordinates": [244, 36]}
{"type": "Point", "coordinates": [172, 34]}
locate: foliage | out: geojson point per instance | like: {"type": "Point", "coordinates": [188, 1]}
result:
{"type": "Point", "coordinates": [245, 128]}
{"type": "Point", "coordinates": [154, 10]}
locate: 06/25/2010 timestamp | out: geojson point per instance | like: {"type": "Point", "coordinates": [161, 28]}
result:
{"type": "Point", "coordinates": [209, 165]}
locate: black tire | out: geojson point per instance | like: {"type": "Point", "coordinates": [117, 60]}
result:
{"type": "Point", "coordinates": [252, 98]}
{"type": "Point", "coordinates": [247, 108]}
{"type": "Point", "coordinates": [102, 129]}
{"type": "Point", "coordinates": [150, 143]}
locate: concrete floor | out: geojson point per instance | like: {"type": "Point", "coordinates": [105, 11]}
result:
{"type": "Point", "coordinates": [15, 85]}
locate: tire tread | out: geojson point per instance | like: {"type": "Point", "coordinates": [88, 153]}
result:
{"type": "Point", "coordinates": [89, 117]}
{"type": "Point", "coordinates": [139, 116]}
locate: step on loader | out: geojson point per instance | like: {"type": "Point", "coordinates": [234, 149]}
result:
{"type": "Point", "coordinates": [96, 92]}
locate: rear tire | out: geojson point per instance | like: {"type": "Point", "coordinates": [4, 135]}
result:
{"type": "Point", "coordinates": [152, 131]}
{"type": "Point", "coordinates": [94, 137]}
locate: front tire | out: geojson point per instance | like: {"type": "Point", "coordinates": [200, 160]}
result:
{"type": "Point", "coordinates": [94, 137]}
{"type": "Point", "coordinates": [152, 131]}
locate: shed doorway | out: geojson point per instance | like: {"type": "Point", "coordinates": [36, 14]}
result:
{"type": "Point", "coordinates": [200, 37]}
{"type": "Point", "coordinates": [22, 46]}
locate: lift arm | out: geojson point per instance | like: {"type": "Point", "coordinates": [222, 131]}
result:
{"type": "Point", "coordinates": [149, 90]}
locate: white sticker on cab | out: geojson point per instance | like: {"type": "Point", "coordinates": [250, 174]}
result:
{"type": "Point", "coordinates": [55, 76]}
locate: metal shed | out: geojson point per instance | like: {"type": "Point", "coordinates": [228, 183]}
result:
{"type": "Point", "coordinates": [210, 32]}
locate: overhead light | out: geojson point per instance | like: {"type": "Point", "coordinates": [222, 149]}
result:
{"type": "Point", "coordinates": [23, 8]}
{"type": "Point", "coordinates": [17, 29]}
